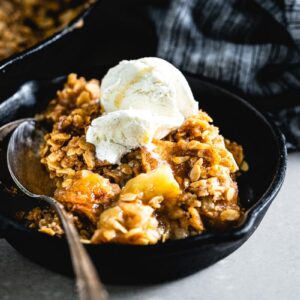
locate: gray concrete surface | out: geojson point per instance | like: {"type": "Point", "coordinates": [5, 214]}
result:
{"type": "Point", "coordinates": [266, 267]}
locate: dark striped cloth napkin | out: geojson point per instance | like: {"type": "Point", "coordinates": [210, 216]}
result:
{"type": "Point", "coordinates": [251, 46]}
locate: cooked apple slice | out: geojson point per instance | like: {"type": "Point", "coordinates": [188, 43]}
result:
{"type": "Point", "coordinates": [159, 182]}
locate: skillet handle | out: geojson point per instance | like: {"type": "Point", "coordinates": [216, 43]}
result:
{"type": "Point", "coordinates": [3, 228]}
{"type": "Point", "coordinates": [6, 227]}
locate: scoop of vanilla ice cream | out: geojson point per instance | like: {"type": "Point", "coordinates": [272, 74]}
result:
{"type": "Point", "coordinates": [143, 99]}
{"type": "Point", "coordinates": [118, 132]}
{"type": "Point", "coordinates": [151, 84]}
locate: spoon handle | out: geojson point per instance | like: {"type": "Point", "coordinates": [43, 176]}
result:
{"type": "Point", "coordinates": [88, 283]}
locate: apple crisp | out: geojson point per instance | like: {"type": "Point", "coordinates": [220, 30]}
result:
{"type": "Point", "coordinates": [24, 23]}
{"type": "Point", "coordinates": [184, 186]}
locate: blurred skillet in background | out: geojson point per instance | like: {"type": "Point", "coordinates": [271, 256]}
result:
{"type": "Point", "coordinates": [112, 30]}
{"type": "Point", "coordinates": [24, 61]}
{"type": "Point", "coordinates": [265, 152]}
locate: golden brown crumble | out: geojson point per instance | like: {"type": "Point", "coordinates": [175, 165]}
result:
{"type": "Point", "coordinates": [186, 186]}
{"type": "Point", "coordinates": [46, 220]}
{"type": "Point", "coordinates": [24, 23]}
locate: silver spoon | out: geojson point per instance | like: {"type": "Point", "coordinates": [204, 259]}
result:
{"type": "Point", "coordinates": [24, 165]}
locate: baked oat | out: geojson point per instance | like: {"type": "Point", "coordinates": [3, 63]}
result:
{"type": "Point", "coordinates": [186, 186]}
{"type": "Point", "coordinates": [24, 23]}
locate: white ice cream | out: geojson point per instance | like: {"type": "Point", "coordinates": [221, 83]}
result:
{"type": "Point", "coordinates": [143, 99]}
{"type": "Point", "coordinates": [118, 132]}
{"type": "Point", "coordinates": [151, 84]}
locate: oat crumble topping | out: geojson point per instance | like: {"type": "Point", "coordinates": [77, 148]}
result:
{"type": "Point", "coordinates": [188, 185]}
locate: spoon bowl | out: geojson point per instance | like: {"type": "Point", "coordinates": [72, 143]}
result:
{"type": "Point", "coordinates": [24, 160]}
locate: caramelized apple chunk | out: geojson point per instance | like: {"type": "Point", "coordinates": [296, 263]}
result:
{"type": "Point", "coordinates": [134, 220]}
{"type": "Point", "coordinates": [87, 193]}
{"type": "Point", "coordinates": [159, 182]}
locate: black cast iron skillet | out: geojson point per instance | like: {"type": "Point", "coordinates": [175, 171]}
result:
{"type": "Point", "coordinates": [57, 51]}
{"type": "Point", "coordinates": [265, 152]}
{"type": "Point", "coordinates": [65, 32]}
{"type": "Point", "coordinates": [110, 31]}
